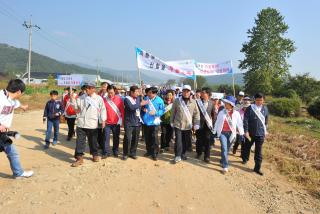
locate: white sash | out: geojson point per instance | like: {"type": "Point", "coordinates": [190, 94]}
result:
{"type": "Point", "coordinates": [115, 109]}
{"type": "Point", "coordinates": [233, 130]}
{"type": "Point", "coordinates": [260, 116]}
{"type": "Point", "coordinates": [95, 105]}
{"type": "Point", "coordinates": [168, 108]}
{"type": "Point", "coordinates": [157, 120]}
{"type": "Point", "coordinates": [133, 102]}
{"type": "Point", "coordinates": [186, 111]}
{"type": "Point", "coordinates": [205, 114]}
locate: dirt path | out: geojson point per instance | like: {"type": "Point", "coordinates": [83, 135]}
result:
{"type": "Point", "coordinates": [137, 186]}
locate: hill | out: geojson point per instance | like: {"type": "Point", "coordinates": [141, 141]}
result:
{"type": "Point", "coordinates": [14, 60]}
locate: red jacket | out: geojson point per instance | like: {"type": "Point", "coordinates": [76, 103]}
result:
{"type": "Point", "coordinates": [67, 106]}
{"type": "Point", "coordinates": [112, 117]}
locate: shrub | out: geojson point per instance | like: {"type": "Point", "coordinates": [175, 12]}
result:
{"type": "Point", "coordinates": [285, 107]}
{"type": "Point", "coordinates": [314, 109]}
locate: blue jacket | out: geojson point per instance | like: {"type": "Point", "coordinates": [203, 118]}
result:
{"type": "Point", "coordinates": [252, 124]}
{"type": "Point", "coordinates": [130, 112]}
{"type": "Point", "coordinates": [158, 104]}
{"type": "Point", "coordinates": [53, 107]}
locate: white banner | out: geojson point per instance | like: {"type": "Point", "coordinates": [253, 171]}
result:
{"type": "Point", "coordinates": [69, 80]}
{"type": "Point", "coordinates": [206, 69]}
{"type": "Point", "coordinates": [149, 62]}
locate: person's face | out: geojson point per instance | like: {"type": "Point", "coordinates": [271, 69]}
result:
{"type": "Point", "coordinates": [17, 95]}
{"type": "Point", "coordinates": [259, 101]}
{"type": "Point", "coordinates": [240, 97]}
{"type": "Point", "coordinates": [111, 93]}
{"type": "Point", "coordinates": [215, 101]}
{"type": "Point", "coordinates": [186, 93]}
{"type": "Point", "coordinates": [151, 95]}
{"type": "Point", "coordinates": [198, 94]}
{"type": "Point", "coordinates": [169, 96]}
{"type": "Point", "coordinates": [228, 106]}
{"type": "Point", "coordinates": [204, 95]}
{"type": "Point", "coordinates": [135, 93]}
{"type": "Point", "coordinates": [90, 90]}
{"type": "Point", "coordinates": [54, 97]}
{"type": "Point", "coordinates": [104, 87]}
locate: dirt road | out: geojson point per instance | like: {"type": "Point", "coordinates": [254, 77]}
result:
{"type": "Point", "coordinates": [137, 186]}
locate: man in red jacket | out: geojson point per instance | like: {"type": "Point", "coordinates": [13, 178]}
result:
{"type": "Point", "coordinates": [115, 115]}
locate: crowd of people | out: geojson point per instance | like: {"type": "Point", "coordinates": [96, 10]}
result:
{"type": "Point", "coordinates": [177, 114]}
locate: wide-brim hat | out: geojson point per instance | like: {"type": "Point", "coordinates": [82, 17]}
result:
{"type": "Point", "coordinates": [89, 84]}
{"type": "Point", "coordinates": [231, 100]}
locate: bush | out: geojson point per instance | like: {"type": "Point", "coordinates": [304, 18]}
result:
{"type": "Point", "coordinates": [314, 109]}
{"type": "Point", "coordinates": [285, 107]}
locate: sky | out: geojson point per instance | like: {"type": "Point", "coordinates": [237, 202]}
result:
{"type": "Point", "coordinates": [106, 32]}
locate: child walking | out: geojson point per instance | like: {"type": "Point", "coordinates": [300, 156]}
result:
{"type": "Point", "coordinates": [51, 114]}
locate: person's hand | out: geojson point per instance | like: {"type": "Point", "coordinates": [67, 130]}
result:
{"type": "Point", "coordinates": [24, 107]}
{"type": "Point", "coordinates": [145, 110]}
{"type": "Point", "coordinates": [103, 124]}
{"type": "Point", "coordinates": [247, 135]}
{"type": "Point", "coordinates": [152, 112]}
{"type": "Point", "coordinates": [144, 102]}
{"type": "Point", "coordinates": [3, 128]}
{"type": "Point", "coordinates": [57, 114]}
{"type": "Point", "coordinates": [44, 119]}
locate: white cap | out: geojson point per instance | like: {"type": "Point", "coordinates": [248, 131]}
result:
{"type": "Point", "coordinates": [241, 93]}
{"type": "Point", "coordinates": [148, 86]}
{"type": "Point", "coordinates": [186, 87]}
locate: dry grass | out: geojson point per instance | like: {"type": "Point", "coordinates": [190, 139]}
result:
{"type": "Point", "coordinates": [295, 150]}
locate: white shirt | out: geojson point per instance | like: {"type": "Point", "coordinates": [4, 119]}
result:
{"type": "Point", "coordinates": [7, 106]}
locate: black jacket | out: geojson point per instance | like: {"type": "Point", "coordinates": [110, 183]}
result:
{"type": "Point", "coordinates": [53, 107]}
{"type": "Point", "coordinates": [252, 124]}
{"type": "Point", "coordinates": [130, 116]}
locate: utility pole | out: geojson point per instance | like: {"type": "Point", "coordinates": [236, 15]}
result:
{"type": "Point", "coordinates": [29, 26]}
{"type": "Point", "coordinates": [98, 61]}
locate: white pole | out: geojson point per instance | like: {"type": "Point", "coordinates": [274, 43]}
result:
{"type": "Point", "coordinates": [234, 89]}
{"type": "Point", "coordinates": [30, 47]}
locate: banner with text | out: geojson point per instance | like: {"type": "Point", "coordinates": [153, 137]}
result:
{"type": "Point", "coordinates": [211, 69]}
{"type": "Point", "coordinates": [147, 61]}
{"type": "Point", "coordinates": [70, 80]}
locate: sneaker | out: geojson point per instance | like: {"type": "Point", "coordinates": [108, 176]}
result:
{"type": "Point", "coordinates": [115, 154]}
{"type": "Point", "coordinates": [184, 157]}
{"type": "Point", "coordinates": [234, 151]}
{"type": "Point", "coordinates": [207, 160]}
{"type": "Point", "coordinates": [154, 157]}
{"type": "Point", "coordinates": [46, 146]}
{"type": "Point", "coordinates": [54, 143]}
{"type": "Point", "coordinates": [177, 159]}
{"type": "Point", "coordinates": [224, 170]}
{"type": "Point", "coordinates": [124, 157]}
{"type": "Point", "coordinates": [25, 174]}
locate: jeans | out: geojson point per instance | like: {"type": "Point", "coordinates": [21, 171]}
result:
{"type": "Point", "coordinates": [225, 147]}
{"type": "Point", "coordinates": [55, 124]}
{"type": "Point", "coordinates": [183, 139]}
{"type": "Point", "coordinates": [82, 135]}
{"type": "Point", "coordinates": [115, 129]}
{"type": "Point", "coordinates": [13, 157]}
{"type": "Point", "coordinates": [130, 141]}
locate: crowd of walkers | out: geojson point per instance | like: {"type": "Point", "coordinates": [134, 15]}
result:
{"type": "Point", "coordinates": [178, 114]}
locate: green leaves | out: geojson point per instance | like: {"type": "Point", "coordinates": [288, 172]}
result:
{"type": "Point", "coordinates": [266, 53]}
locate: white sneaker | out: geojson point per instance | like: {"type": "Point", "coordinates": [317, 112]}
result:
{"type": "Point", "coordinates": [224, 170]}
{"type": "Point", "coordinates": [25, 174]}
{"type": "Point", "coordinates": [177, 159]}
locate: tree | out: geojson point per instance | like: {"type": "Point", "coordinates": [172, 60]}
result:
{"type": "Point", "coordinates": [305, 86]}
{"type": "Point", "coordinates": [171, 82]}
{"type": "Point", "coordinates": [201, 82]}
{"type": "Point", "coordinates": [266, 53]}
{"type": "Point", "coordinates": [228, 89]}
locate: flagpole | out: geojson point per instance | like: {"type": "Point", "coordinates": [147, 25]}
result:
{"type": "Point", "coordinates": [139, 72]}
{"type": "Point", "coordinates": [233, 86]}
